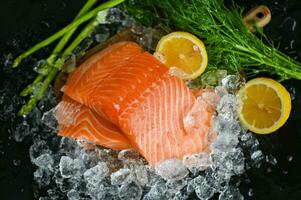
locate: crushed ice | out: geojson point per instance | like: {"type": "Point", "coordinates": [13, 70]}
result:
{"type": "Point", "coordinates": [78, 170]}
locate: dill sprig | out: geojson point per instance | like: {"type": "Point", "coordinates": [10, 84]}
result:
{"type": "Point", "coordinates": [229, 43]}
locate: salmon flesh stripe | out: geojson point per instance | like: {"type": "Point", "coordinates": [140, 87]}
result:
{"type": "Point", "coordinates": [92, 72]}
{"type": "Point", "coordinates": [157, 112]}
{"type": "Point", "coordinates": [80, 122]}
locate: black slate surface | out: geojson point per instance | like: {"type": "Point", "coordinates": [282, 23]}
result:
{"type": "Point", "coordinates": [24, 22]}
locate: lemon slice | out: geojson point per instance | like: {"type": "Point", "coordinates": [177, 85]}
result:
{"type": "Point", "coordinates": [183, 53]}
{"type": "Point", "coordinates": [265, 105]}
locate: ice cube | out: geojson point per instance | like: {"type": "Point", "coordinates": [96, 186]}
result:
{"type": "Point", "coordinates": [248, 141]}
{"type": "Point", "coordinates": [229, 163]}
{"type": "Point", "coordinates": [73, 195]}
{"type": "Point", "coordinates": [231, 193]}
{"type": "Point", "coordinates": [290, 158]}
{"type": "Point", "coordinates": [233, 82]}
{"type": "Point", "coordinates": [225, 142]}
{"type": "Point", "coordinates": [66, 167]}
{"type": "Point", "coordinates": [194, 183]}
{"type": "Point", "coordinates": [227, 108]}
{"type": "Point", "coordinates": [49, 119]}
{"type": "Point", "coordinates": [140, 173]}
{"type": "Point", "coordinates": [71, 112]}
{"type": "Point", "coordinates": [271, 159]}
{"type": "Point", "coordinates": [38, 148]}
{"type": "Point", "coordinates": [8, 60]}
{"type": "Point", "coordinates": [204, 191]}
{"type": "Point", "coordinates": [100, 37]}
{"type": "Point", "coordinates": [175, 186]}
{"type": "Point", "coordinates": [54, 194]}
{"type": "Point", "coordinates": [250, 192]}
{"type": "Point", "coordinates": [257, 157]}
{"type": "Point", "coordinates": [157, 191]}
{"type": "Point", "coordinates": [44, 161]}
{"type": "Point", "coordinates": [172, 169]}
{"type": "Point", "coordinates": [40, 67]}
{"type": "Point", "coordinates": [66, 184]}
{"type": "Point", "coordinates": [16, 162]}
{"type": "Point", "coordinates": [23, 130]}
{"type": "Point", "coordinates": [118, 178]}
{"type": "Point", "coordinates": [197, 162]}
{"type": "Point", "coordinates": [115, 15]}
{"type": "Point", "coordinates": [42, 176]}
{"type": "Point", "coordinates": [95, 175]}
{"type": "Point", "coordinates": [130, 191]}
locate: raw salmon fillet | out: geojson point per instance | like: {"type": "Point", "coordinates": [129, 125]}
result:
{"type": "Point", "coordinates": [155, 123]}
{"type": "Point", "coordinates": [80, 122]}
{"type": "Point", "coordinates": [156, 112]}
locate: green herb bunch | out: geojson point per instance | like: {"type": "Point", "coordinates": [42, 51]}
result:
{"type": "Point", "coordinates": [229, 43]}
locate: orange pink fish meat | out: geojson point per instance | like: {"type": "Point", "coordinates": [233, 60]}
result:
{"type": "Point", "coordinates": [126, 98]}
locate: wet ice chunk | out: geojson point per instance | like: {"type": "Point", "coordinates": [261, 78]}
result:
{"type": "Point", "coordinates": [194, 183]}
{"type": "Point", "coordinates": [73, 195]}
{"type": "Point", "coordinates": [232, 82]}
{"type": "Point", "coordinates": [172, 169]}
{"type": "Point", "coordinates": [175, 186]}
{"type": "Point", "coordinates": [227, 107]}
{"type": "Point", "coordinates": [49, 119]}
{"type": "Point", "coordinates": [140, 173]}
{"type": "Point", "coordinates": [130, 191]}
{"type": "Point", "coordinates": [157, 191]}
{"type": "Point", "coordinates": [257, 157]}
{"type": "Point", "coordinates": [197, 162]}
{"type": "Point", "coordinates": [42, 176]}
{"type": "Point", "coordinates": [37, 149]}
{"type": "Point", "coordinates": [231, 193]}
{"type": "Point", "coordinates": [229, 163]}
{"type": "Point", "coordinates": [100, 37]}
{"type": "Point", "coordinates": [117, 178]}
{"type": "Point", "coordinates": [70, 111]}
{"type": "Point", "coordinates": [44, 161]}
{"type": "Point", "coordinates": [67, 167]}
{"type": "Point", "coordinates": [204, 190]}
{"type": "Point", "coordinates": [271, 159]}
{"type": "Point", "coordinates": [95, 175]}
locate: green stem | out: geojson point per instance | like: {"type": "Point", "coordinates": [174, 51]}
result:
{"type": "Point", "coordinates": [57, 66]}
{"type": "Point", "coordinates": [63, 31]}
{"type": "Point", "coordinates": [51, 59]}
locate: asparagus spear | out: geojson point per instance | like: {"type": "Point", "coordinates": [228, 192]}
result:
{"type": "Point", "coordinates": [59, 47]}
{"type": "Point", "coordinates": [57, 65]}
{"type": "Point", "coordinates": [56, 68]}
{"type": "Point", "coordinates": [59, 34]}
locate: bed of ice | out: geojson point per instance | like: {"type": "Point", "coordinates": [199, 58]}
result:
{"type": "Point", "coordinates": [78, 170]}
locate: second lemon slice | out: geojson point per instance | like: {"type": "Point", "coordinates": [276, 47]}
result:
{"type": "Point", "coordinates": [265, 105]}
{"type": "Point", "coordinates": [184, 53]}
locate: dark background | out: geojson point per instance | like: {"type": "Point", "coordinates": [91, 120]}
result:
{"type": "Point", "coordinates": [24, 22]}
